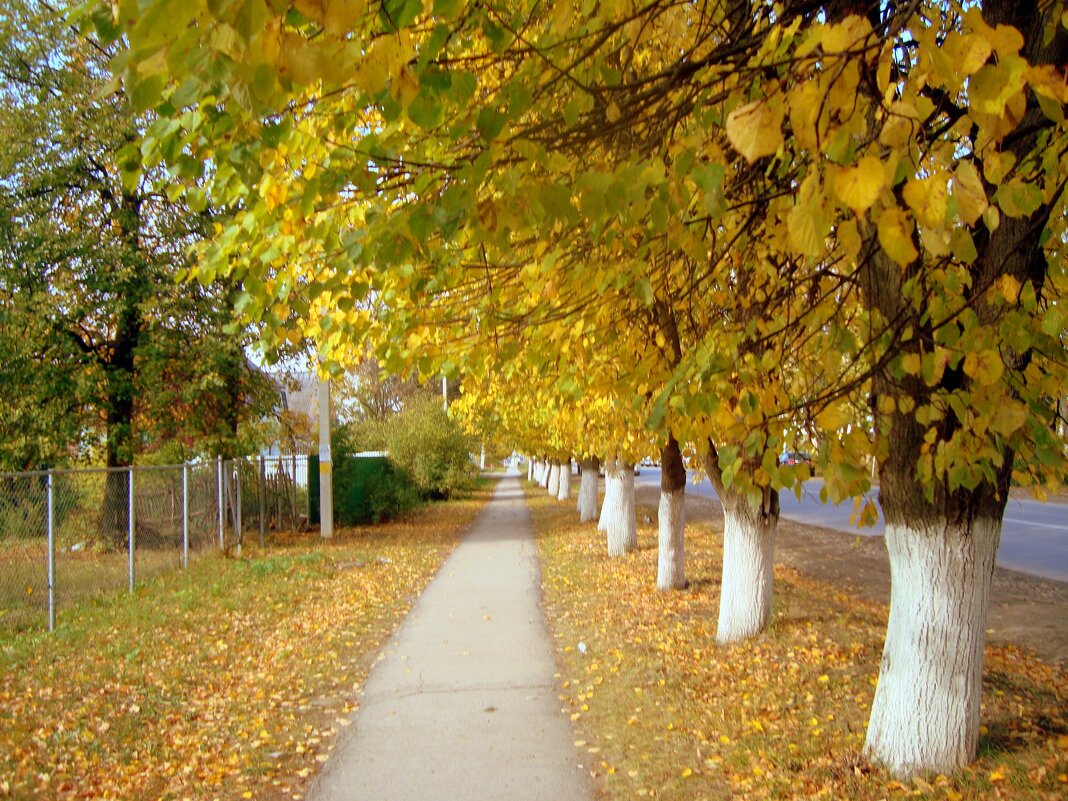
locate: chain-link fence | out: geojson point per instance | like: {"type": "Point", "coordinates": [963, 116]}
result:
{"type": "Point", "coordinates": [66, 535]}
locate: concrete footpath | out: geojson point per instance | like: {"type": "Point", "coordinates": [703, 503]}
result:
{"type": "Point", "coordinates": [462, 704]}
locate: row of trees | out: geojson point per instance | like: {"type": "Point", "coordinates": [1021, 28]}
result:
{"type": "Point", "coordinates": [727, 227]}
{"type": "Point", "coordinates": [104, 354]}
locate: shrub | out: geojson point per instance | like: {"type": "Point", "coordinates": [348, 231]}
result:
{"type": "Point", "coordinates": [370, 490]}
{"type": "Point", "coordinates": [432, 449]}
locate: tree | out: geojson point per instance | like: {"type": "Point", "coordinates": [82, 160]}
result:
{"type": "Point", "coordinates": [111, 348]}
{"type": "Point", "coordinates": [870, 194]}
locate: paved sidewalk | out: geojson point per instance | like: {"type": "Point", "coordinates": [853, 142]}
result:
{"type": "Point", "coordinates": [462, 705]}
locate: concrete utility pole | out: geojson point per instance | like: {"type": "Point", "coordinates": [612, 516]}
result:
{"type": "Point", "coordinates": [326, 473]}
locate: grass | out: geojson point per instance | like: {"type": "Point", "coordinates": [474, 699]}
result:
{"type": "Point", "coordinates": [662, 712]}
{"type": "Point", "coordinates": [228, 680]}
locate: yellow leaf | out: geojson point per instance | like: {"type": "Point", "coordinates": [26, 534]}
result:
{"type": "Point", "coordinates": [405, 86]}
{"type": "Point", "coordinates": [755, 129]}
{"type": "Point", "coordinates": [927, 198]}
{"type": "Point", "coordinates": [686, 773]}
{"type": "Point", "coordinates": [612, 113]}
{"type": "Point", "coordinates": [901, 122]}
{"type": "Point", "coordinates": [967, 52]}
{"type": "Point", "coordinates": [833, 417]}
{"type": "Point", "coordinates": [341, 15]}
{"type": "Point", "coordinates": [849, 240]}
{"type": "Point", "coordinates": [846, 35]}
{"type": "Point", "coordinates": [1008, 418]}
{"type": "Point", "coordinates": [986, 367]}
{"type": "Point", "coordinates": [997, 775]}
{"type": "Point", "coordinates": [859, 187]}
{"type": "Point", "coordinates": [1009, 287]}
{"type": "Point", "coordinates": [895, 236]}
{"type": "Point", "coordinates": [807, 224]}
{"type": "Point", "coordinates": [969, 193]}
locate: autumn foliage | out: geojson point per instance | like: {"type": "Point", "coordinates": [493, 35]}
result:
{"type": "Point", "coordinates": [226, 681]}
{"type": "Point", "coordinates": [662, 712]}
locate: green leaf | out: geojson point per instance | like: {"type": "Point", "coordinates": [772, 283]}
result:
{"type": "Point", "coordinates": [1017, 198]}
{"type": "Point", "coordinates": [426, 110]}
{"type": "Point", "coordinates": [397, 14]}
{"type": "Point", "coordinates": [490, 124]}
{"type": "Point", "coordinates": [147, 93]}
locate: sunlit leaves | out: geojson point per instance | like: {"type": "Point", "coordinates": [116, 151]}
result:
{"type": "Point", "coordinates": [755, 129]}
{"type": "Point", "coordinates": [860, 186]}
{"type": "Point", "coordinates": [491, 178]}
{"type": "Point", "coordinates": [895, 236]}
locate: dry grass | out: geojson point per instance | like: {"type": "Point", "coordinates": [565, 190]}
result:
{"type": "Point", "coordinates": [229, 680]}
{"type": "Point", "coordinates": [665, 713]}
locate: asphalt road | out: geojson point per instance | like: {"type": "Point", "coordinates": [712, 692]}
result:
{"type": "Point", "coordinates": [1034, 535]}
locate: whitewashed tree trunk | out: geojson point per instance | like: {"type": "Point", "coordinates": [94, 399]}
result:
{"type": "Point", "coordinates": [671, 554]}
{"type": "Point", "coordinates": [543, 479]}
{"type": "Point", "coordinates": [553, 485]}
{"type": "Point", "coordinates": [530, 469]}
{"type": "Point", "coordinates": [925, 716]}
{"type": "Point", "coordinates": [587, 494]}
{"type": "Point", "coordinates": [748, 561]}
{"type": "Point", "coordinates": [671, 519]}
{"type": "Point", "coordinates": [621, 524]}
{"type": "Point", "coordinates": [564, 487]}
{"type": "Point", "coordinates": [609, 492]}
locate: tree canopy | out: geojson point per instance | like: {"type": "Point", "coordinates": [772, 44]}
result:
{"type": "Point", "coordinates": [92, 313]}
{"type": "Point", "coordinates": [742, 225]}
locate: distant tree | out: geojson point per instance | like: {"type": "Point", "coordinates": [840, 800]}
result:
{"type": "Point", "coordinates": [103, 346]}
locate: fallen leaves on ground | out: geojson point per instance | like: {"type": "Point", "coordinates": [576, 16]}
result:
{"type": "Point", "coordinates": [663, 712]}
{"type": "Point", "coordinates": [229, 680]}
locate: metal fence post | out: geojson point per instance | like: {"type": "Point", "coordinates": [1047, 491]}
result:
{"type": "Point", "coordinates": [185, 514]}
{"type": "Point", "coordinates": [51, 556]}
{"type": "Point", "coordinates": [237, 505]}
{"type": "Point", "coordinates": [131, 528]}
{"type": "Point", "coordinates": [219, 464]}
{"type": "Point", "coordinates": [261, 485]}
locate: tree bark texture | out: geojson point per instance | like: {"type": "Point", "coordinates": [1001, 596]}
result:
{"type": "Point", "coordinates": [587, 495]}
{"type": "Point", "coordinates": [671, 519]}
{"type": "Point", "coordinates": [925, 716]}
{"type": "Point", "coordinates": [748, 561]}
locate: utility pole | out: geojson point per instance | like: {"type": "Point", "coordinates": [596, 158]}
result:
{"type": "Point", "coordinates": [326, 475]}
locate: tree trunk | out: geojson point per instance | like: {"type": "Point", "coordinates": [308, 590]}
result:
{"type": "Point", "coordinates": [621, 524]}
{"type": "Point", "coordinates": [748, 559]}
{"type": "Point", "coordinates": [671, 561]}
{"type": "Point", "coordinates": [553, 485]}
{"type": "Point", "coordinates": [564, 491]}
{"type": "Point", "coordinates": [925, 716]}
{"type": "Point", "coordinates": [114, 521]}
{"type": "Point", "coordinates": [530, 469]}
{"type": "Point", "coordinates": [610, 487]}
{"type": "Point", "coordinates": [587, 494]}
{"type": "Point", "coordinates": [942, 535]}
